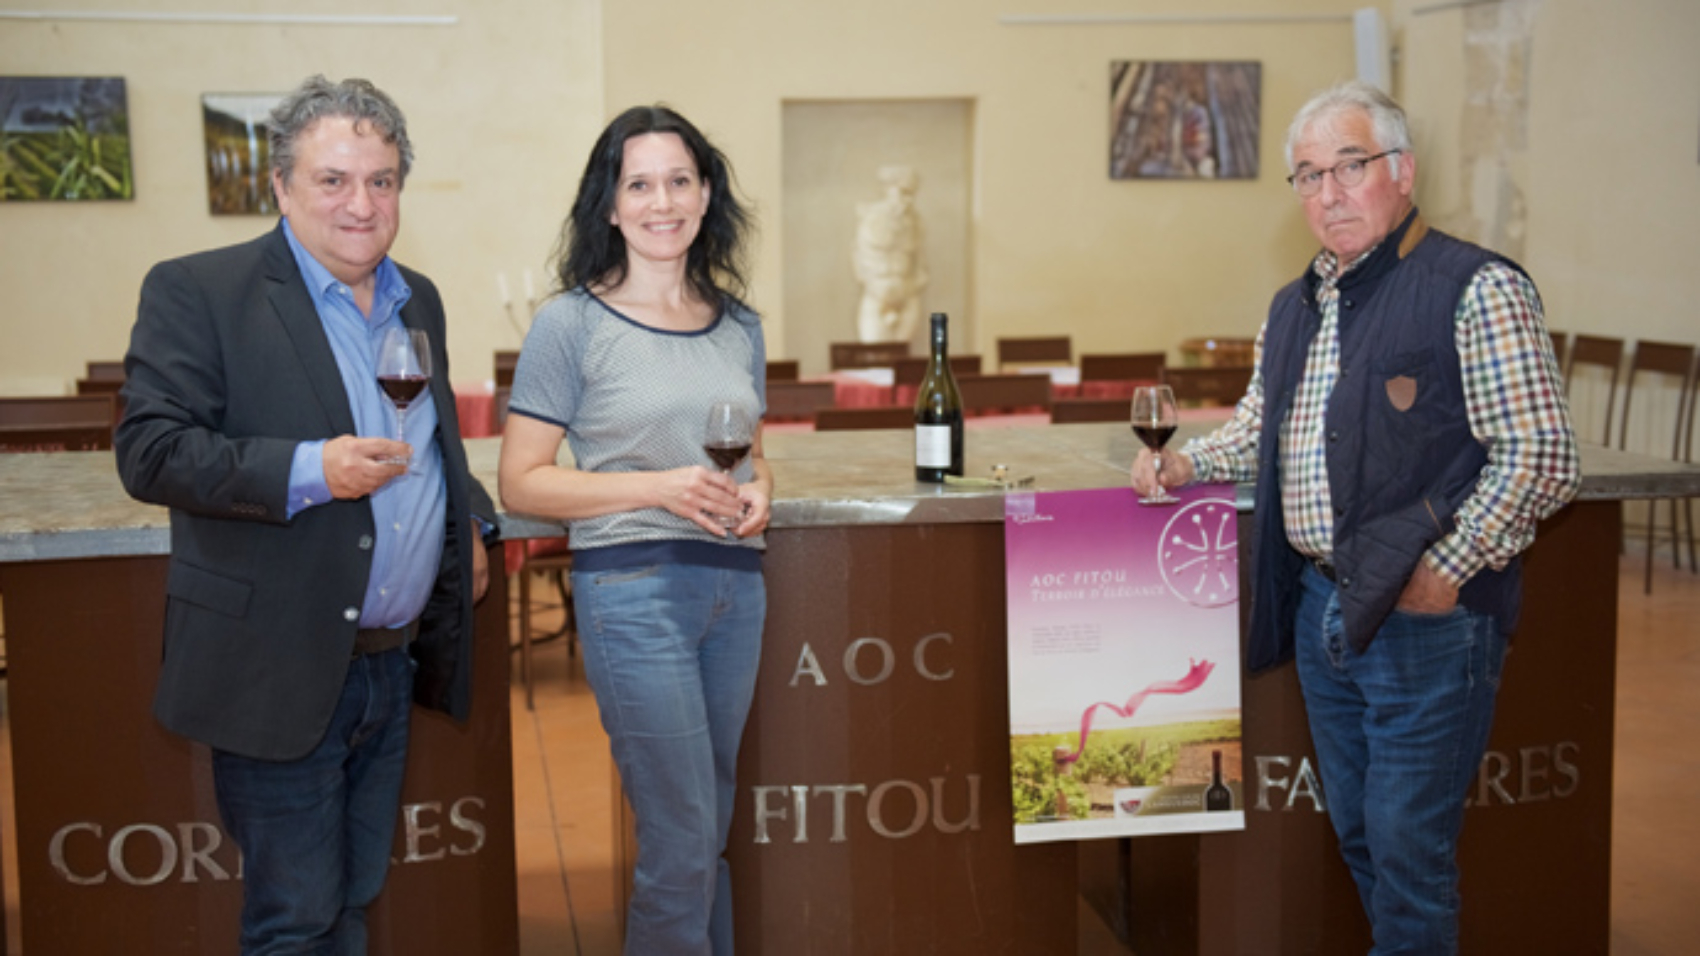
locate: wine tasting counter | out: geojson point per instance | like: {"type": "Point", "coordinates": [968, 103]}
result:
{"type": "Point", "coordinates": [120, 849]}
{"type": "Point", "coordinates": [874, 813]}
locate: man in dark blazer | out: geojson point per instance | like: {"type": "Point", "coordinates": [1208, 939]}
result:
{"type": "Point", "coordinates": [311, 573]}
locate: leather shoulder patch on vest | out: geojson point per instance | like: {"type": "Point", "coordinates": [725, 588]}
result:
{"type": "Point", "coordinates": [1402, 392]}
{"type": "Point", "coordinates": [1412, 236]}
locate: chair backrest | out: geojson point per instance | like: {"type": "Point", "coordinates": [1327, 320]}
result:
{"type": "Point", "coordinates": [506, 361]}
{"type": "Point", "coordinates": [57, 423]}
{"type": "Point", "coordinates": [865, 354]}
{"type": "Point", "coordinates": [797, 400]}
{"type": "Point", "coordinates": [1004, 392]}
{"type": "Point", "coordinates": [1036, 350]}
{"type": "Point", "coordinates": [1219, 350]}
{"type": "Point", "coordinates": [1560, 340]}
{"type": "Point", "coordinates": [105, 371]}
{"type": "Point", "coordinates": [1669, 361]}
{"type": "Point", "coordinates": [1065, 410]}
{"type": "Point", "coordinates": [1603, 352]}
{"type": "Point", "coordinates": [99, 386]}
{"type": "Point", "coordinates": [1122, 366]}
{"type": "Point", "coordinates": [866, 417]}
{"type": "Point", "coordinates": [499, 408]}
{"type": "Point", "coordinates": [1210, 385]}
{"type": "Point", "coordinates": [909, 370]}
{"type": "Point", "coordinates": [783, 370]}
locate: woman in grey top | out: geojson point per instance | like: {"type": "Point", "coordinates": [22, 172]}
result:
{"type": "Point", "coordinates": [624, 364]}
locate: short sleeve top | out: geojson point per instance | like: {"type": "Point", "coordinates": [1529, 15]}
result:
{"type": "Point", "coordinates": [633, 398]}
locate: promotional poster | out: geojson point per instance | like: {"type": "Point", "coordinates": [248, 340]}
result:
{"type": "Point", "coordinates": [1124, 674]}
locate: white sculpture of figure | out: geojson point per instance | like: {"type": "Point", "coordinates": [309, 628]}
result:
{"type": "Point", "coordinates": [889, 260]}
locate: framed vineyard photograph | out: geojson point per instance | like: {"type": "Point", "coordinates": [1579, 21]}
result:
{"type": "Point", "coordinates": [1184, 120]}
{"type": "Point", "coordinates": [64, 139]}
{"type": "Point", "coordinates": [238, 159]}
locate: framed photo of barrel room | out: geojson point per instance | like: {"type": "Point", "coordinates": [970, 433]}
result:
{"type": "Point", "coordinates": [64, 138]}
{"type": "Point", "coordinates": [1184, 120]}
{"type": "Point", "coordinates": [238, 159]}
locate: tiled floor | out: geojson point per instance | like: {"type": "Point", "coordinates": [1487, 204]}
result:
{"type": "Point", "coordinates": [563, 783]}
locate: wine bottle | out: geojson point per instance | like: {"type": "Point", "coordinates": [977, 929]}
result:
{"type": "Point", "coordinates": [1218, 797]}
{"type": "Point", "coordinates": [938, 413]}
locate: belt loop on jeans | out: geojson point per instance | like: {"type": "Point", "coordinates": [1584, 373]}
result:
{"type": "Point", "coordinates": [1324, 568]}
{"type": "Point", "coordinates": [376, 640]}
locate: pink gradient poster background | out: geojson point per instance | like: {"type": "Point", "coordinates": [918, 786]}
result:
{"type": "Point", "coordinates": [1126, 607]}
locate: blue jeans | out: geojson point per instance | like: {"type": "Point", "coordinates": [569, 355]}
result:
{"type": "Point", "coordinates": [1400, 730]}
{"type": "Point", "coordinates": [671, 652]}
{"type": "Point", "coordinates": [315, 833]}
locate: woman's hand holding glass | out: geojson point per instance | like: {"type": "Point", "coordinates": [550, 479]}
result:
{"type": "Point", "coordinates": [727, 436]}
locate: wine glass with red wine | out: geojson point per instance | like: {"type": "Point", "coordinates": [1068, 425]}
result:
{"type": "Point", "coordinates": [727, 439]}
{"type": "Point", "coordinates": [1154, 421]}
{"type": "Point", "coordinates": [404, 369]}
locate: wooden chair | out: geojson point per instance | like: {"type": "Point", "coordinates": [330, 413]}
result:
{"type": "Point", "coordinates": [1066, 410]}
{"type": "Point", "coordinates": [506, 362]}
{"type": "Point", "coordinates": [1212, 386]}
{"type": "Point", "coordinates": [797, 400]}
{"type": "Point", "coordinates": [1559, 341]}
{"type": "Point", "coordinates": [910, 369]}
{"type": "Point", "coordinates": [782, 370]}
{"type": "Point", "coordinates": [866, 354]}
{"type": "Point", "coordinates": [1215, 351]}
{"type": "Point", "coordinates": [1602, 352]}
{"type": "Point", "coordinates": [1122, 366]}
{"type": "Point", "coordinates": [105, 386]}
{"type": "Point", "coordinates": [550, 558]}
{"type": "Point", "coordinates": [1665, 363]}
{"type": "Point", "coordinates": [865, 418]}
{"type": "Point", "coordinates": [104, 371]}
{"type": "Point", "coordinates": [1042, 350]}
{"type": "Point", "coordinates": [57, 423]}
{"type": "Point", "coordinates": [499, 408]}
{"type": "Point", "coordinates": [1004, 393]}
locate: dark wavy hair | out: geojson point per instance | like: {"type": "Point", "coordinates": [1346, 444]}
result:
{"type": "Point", "coordinates": [592, 251]}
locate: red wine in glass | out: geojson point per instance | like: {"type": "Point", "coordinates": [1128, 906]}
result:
{"type": "Point", "coordinates": [726, 440]}
{"type": "Point", "coordinates": [404, 369]}
{"type": "Point", "coordinates": [727, 456]}
{"type": "Point", "coordinates": [1154, 419]}
{"type": "Point", "coordinates": [402, 389]}
{"type": "Point", "coordinates": [1154, 436]}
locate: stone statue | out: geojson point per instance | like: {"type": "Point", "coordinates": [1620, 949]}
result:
{"type": "Point", "coordinates": [889, 260]}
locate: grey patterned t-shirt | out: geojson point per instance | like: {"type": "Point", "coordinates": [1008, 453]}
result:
{"type": "Point", "coordinates": [634, 398]}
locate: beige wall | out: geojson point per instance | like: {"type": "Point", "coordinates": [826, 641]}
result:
{"type": "Point", "coordinates": [1601, 187]}
{"type": "Point", "coordinates": [832, 154]}
{"type": "Point", "coordinates": [502, 108]}
{"type": "Point", "coordinates": [1592, 180]}
{"type": "Point", "coordinates": [1056, 245]}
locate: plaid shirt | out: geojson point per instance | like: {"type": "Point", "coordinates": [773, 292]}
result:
{"type": "Point", "coordinates": [1513, 397]}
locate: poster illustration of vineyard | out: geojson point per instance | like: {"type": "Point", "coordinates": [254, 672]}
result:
{"type": "Point", "coordinates": [1124, 674]}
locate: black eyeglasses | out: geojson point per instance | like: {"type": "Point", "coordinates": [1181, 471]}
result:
{"type": "Point", "coordinates": [1347, 174]}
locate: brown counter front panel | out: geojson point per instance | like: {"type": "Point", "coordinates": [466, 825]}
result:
{"type": "Point", "coordinates": [874, 814]}
{"type": "Point", "coordinates": [1536, 851]}
{"type": "Point", "coordinates": [119, 844]}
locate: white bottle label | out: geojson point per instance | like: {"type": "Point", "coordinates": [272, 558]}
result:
{"type": "Point", "coordinates": [932, 446]}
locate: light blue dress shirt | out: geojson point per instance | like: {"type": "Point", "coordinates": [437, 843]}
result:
{"type": "Point", "coordinates": [410, 510]}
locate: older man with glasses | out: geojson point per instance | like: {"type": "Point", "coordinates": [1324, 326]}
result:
{"type": "Point", "coordinates": [1407, 430]}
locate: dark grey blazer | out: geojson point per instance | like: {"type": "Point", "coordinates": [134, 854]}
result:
{"type": "Point", "coordinates": [229, 369]}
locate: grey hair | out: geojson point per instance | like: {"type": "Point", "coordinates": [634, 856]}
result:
{"type": "Point", "coordinates": [318, 98]}
{"type": "Point", "coordinates": [1386, 117]}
